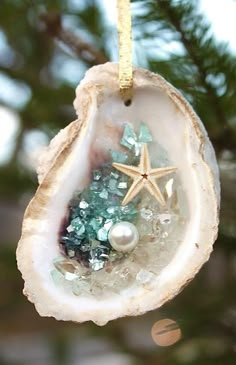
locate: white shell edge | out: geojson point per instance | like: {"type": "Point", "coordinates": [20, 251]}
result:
{"type": "Point", "coordinates": [166, 286]}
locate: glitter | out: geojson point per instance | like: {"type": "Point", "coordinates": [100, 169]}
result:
{"type": "Point", "coordinates": [169, 187]}
{"type": "Point", "coordinates": [95, 223]}
{"type": "Point", "coordinates": [70, 276]}
{"type": "Point", "coordinates": [99, 220]}
{"type": "Point", "coordinates": [164, 218]}
{"type": "Point", "coordinates": [144, 134]}
{"type": "Point", "coordinates": [122, 185]}
{"type": "Point", "coordinates": [106, 270]}
{"type": "Point", "coordinates": [70, 228]}
{"type": "Point", "coordinates": [83, 213]}
{"type": "Point", "coordinates": [97, 257]}
{"type": "Point", "coordinates": [85, 247]}
{"type": "Point", "coordinates": [97, 175]}
{"type": "Point", "coordinates": [108, 224]}
{"type": "Point", "coordinates": [118, 192]}
{"type": "Point", "coordinates": [115, 175]}
{"type": "Point", "coordinates": [90, 232]}
{"type": "Point", "coordinates": [111, 210]}
{"type": "Point", "coordinates": [112, 184]}
{"type": "Point", "coordinates": [96, 264]}
{"type": "Point", "coordinates": [156, 230]}
{"type": "Point", "coordinates": [71, 253]}
{"type": "Point", "coordinates": [95, 185]}
{"type": "Point", "coordinates": [103, 194]}
{"type": "Point", "coordinates": [76, 222]}
{"type": "Point", "coordinates": [137, 149]}
{"type": "Point", "coordinates": [94, 244]}
{"type": "Point", "coordinates": [118, 156]}
{"type": "Point", "coordinates": [65, 266]}
{"type": "Point", "coordinates": [78, 226]}
{"type": "Point", "coordinates": [102, 234]}
{"type": "Point", "coordinates": [57, 277]}
{"type": "Point", "coordinates": [104, 256]}
{"type": "Point", "coordinates": [147, 214]}
{"type": "Point", "coordinates": [80, 231]}
{"type": "Point", "coordinates": [65, 239]}
{"type": "Point", "coordinates": [144, 276]}
{"type": "Point", "coordinates": [125, 209]}
{"type": "Point", "coordinates": [129, 137]}
{"type": "Point", "coordinates": [124, 273]}
{"type": "Point", "coordinates": [129, 209]}
{"type": "Point", "coordinates": [83, 204]}
{"type": "Point", "coordinates": [94, 210]}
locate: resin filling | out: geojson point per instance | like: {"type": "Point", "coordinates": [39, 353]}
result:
{"type": "Point", "coordinates": [128, 190]}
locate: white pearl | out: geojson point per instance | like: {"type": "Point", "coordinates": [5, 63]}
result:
{"type": "Point", "coordinates": [123, 236]}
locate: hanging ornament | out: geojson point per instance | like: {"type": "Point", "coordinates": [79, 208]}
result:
{"type": "Point", "coordinates": [126, 212]}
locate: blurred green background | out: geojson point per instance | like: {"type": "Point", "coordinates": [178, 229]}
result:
{"type": "Point", "coordinates": [45, 48]}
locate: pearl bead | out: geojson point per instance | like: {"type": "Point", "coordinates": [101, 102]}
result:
{"type": "Point", "coordinates": [123, 236]}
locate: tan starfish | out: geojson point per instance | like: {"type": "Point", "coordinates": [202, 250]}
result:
{"type": "Point", "coordinates": [144, 177]}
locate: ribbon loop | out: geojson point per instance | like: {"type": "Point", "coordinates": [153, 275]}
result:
{"type": "Point", "coordinates": [125, 50]}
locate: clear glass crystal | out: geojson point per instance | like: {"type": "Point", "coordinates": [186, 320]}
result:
{"type": "Point", "coordinates": [147, 214]}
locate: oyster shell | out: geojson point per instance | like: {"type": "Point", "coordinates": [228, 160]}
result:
{"type": "Point", "coordinates": [168, 257]}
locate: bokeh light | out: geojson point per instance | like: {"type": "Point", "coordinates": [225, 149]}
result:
{"type": "Point", "coordinates": [166, 332]}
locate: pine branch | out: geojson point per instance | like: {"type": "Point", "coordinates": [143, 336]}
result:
{"type": "Point", "coordinates": [83, 50]}
{"type": "Point", "coordinates": [191, 44]}
{"type": "Point", "coordinates": [204, 70]}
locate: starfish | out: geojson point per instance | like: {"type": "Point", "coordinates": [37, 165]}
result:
{"type": "Point", "coordinates": [144, 177]}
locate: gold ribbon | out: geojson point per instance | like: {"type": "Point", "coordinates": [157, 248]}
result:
{"type": "Point", "coordinates": [125, 50]}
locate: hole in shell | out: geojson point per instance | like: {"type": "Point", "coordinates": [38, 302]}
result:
{"type": "Point", "coordinates": [128, 102]}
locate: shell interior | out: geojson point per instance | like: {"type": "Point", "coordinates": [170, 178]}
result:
{"type": "Point", "coordinates": [174, 239]}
